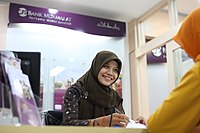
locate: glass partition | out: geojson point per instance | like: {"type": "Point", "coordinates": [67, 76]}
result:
{"type": "Point", "coordinates": [182, 63]}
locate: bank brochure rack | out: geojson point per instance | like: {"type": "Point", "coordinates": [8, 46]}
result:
{"type": "Point", "coordinates": [17, 103]}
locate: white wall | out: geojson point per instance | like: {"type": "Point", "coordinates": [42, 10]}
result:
{"type": "Point", "coordinates": [157, 84]}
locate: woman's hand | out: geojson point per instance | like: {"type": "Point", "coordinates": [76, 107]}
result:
{"type": "Point", "coordinates": [196, 129]}
{"type": "Point", "coordinates": [140, 120]}
{"type": "Point", "coordinates": [118, 120]}
{"type": "Point", "coordinates": [115, 119]}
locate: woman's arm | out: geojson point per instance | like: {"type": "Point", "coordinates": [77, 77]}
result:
{"type": "Point", "coordinates": [70, 114]}
{"type": "Point", "coordinates": [112, 120]}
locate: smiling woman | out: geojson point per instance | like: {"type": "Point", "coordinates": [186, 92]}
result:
{"type": "Point", "coordinates": [91, 101]}
{"type": "Point", "coordinates": [108, 73]}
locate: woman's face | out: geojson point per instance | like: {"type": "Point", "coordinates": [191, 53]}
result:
{"type": "Point", "coordinates": [108, 73]}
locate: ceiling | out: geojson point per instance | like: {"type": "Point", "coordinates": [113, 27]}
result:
{"type": "Point", "coordinates": [121, 10]}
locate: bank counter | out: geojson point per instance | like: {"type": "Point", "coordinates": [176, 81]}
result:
{"type": "Point", "coordinates": [65, 129]}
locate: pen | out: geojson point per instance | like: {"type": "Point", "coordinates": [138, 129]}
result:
{"type": "Point", "coordinates": [117, 111]}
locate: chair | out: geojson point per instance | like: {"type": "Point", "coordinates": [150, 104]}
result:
{"type": "Point", "coordinates": [53, 117]}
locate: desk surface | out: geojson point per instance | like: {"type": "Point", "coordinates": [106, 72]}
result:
{"type": "Point", "coordinates": [64, 129]}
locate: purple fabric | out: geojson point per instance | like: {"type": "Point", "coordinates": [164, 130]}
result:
{"type": "Point", "coordinates": [28, 14]}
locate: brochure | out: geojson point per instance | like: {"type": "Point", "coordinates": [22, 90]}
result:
{"type": "Point", "coordinates": [23, 98]}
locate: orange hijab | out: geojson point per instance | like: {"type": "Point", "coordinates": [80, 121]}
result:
{"type": "Point", "coordinates": [188, 36]}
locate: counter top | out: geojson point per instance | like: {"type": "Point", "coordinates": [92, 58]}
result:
{"type": "Point", "coordinates": [66, 129]}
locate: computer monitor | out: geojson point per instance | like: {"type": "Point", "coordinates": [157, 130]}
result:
{"type": "Point", "coordinates": [30, 65]}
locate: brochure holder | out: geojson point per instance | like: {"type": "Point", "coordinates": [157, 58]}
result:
{"type": "Point", "coordinates": [6, 114]}
{"type": "Point", "coordinates": [17, 103]}
{"type": "Point", "coordinates": [5, 101]}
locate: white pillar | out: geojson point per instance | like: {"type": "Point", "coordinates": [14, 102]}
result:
{"type": "Point", "coordinates": [3, 24]}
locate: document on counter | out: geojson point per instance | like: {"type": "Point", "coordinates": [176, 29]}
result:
{"type": "Point", "coordinates": [132, 124]}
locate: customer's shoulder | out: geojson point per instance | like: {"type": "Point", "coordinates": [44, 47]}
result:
{"type": "Point", "coordinates": [196, 68]}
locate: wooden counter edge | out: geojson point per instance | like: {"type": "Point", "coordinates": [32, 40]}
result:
{"type": "Point", "coordinates": [66, 129]}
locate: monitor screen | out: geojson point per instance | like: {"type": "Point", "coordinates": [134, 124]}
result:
{"type": "Point", "coordinates": [30, 65]}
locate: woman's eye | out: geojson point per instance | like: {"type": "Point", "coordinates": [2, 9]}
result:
{"type": "Point", "coordinates": [116, 70]}
{"type": "Point", "coordinates": [106, 66]}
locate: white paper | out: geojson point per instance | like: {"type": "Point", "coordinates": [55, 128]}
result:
{"type": "Point", "coordinates": [132, 124]}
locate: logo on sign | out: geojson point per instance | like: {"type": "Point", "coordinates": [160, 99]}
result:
{"type": "Point", "coordinates": [22, 12]}
{"type": "Point", "coordinates": [157, 52]}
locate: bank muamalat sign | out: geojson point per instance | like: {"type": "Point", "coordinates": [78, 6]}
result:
{"type": "Point", "coordinates": [42, 16]}
{"type": "Point", "coordinates": [93, 25]}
